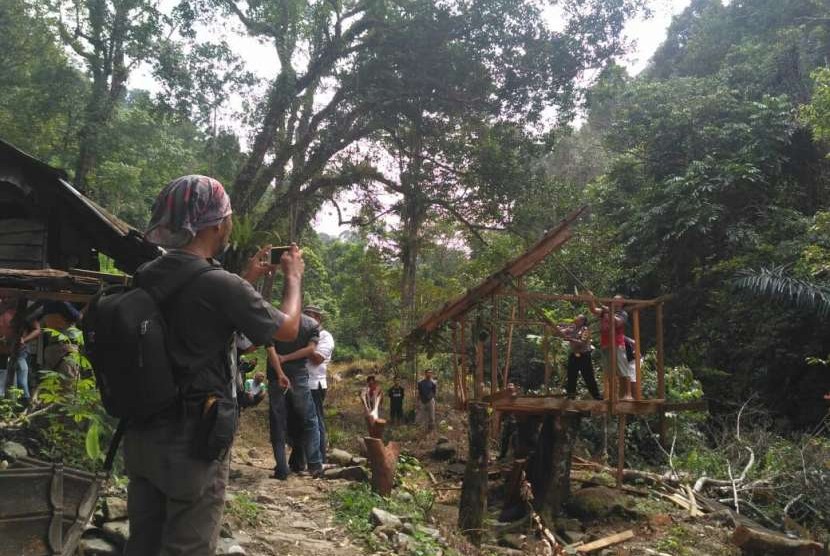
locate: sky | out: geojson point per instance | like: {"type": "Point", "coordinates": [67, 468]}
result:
{"type": "Point", "coordinates": [644, 34]}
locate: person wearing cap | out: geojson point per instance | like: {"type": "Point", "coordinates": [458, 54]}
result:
{"type": "Point", "coordinates": [317, 365]}
{"type": "Point", "coordinates": [175, 497]}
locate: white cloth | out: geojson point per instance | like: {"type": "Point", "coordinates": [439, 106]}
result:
{"type": "Point", "coordinates": [317, 373]}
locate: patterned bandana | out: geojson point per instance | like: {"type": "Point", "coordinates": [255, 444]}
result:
{"type": "Point", "coordinates": [185, 206]}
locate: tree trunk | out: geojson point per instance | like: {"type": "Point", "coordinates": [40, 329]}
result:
{"type": "Point", "coordinates": [550, 465]}
{"type": "Point", "coordinates": [473, 504]}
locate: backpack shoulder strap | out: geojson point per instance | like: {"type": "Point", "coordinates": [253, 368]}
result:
{"type": "Point", "coordinates": [173, 283]}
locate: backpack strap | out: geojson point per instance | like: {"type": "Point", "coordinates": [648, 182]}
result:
{"type": "Point", "coordinates": [176, 281]}
{"type": "Point", "coordinates": [114, 443]}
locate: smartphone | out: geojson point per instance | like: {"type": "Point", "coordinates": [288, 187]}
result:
{"type": "Point", "coordinates": [276, 253]}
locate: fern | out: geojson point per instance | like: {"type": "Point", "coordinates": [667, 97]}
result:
{"type": "Point", "coordinates": [775, 283]}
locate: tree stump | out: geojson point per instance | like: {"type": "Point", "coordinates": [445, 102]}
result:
{"type": "Point", "coordinates": [473, 504]}
{"type": "Point", "coordinates": [550, 465]}
{"type": "Point", "coordinates": [383, 459]}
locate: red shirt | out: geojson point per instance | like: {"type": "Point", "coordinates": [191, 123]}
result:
{"type": "Point", "coordinates": [605, 332]}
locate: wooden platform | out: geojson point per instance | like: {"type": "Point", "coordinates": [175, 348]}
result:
{"type": "Point", "coordinates": [554, 404]}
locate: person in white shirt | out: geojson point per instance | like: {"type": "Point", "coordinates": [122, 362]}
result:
{"type": "Point", "coordinates": [317, 366]}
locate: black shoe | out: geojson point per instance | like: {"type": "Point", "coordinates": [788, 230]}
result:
{"type": "Point", "coordinates": [316, 473]}
{"type": "Point", "coordinates": [280, 476]}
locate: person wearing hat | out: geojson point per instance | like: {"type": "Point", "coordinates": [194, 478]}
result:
{"type": "Point", "coordinates": [317, 365]}
{"type": "Point", "coordinates": [176, 496]}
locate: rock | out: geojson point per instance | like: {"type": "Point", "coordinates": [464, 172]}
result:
{"type": "Point", "coordinates": [14, 450]}
{"type": "Point", "coordinates": [229, 547]}
{"type": "Point", "coordinates": [456, 468]}
{"type": "Point", "coordinates": [383, 518]}
{"type": "Point", "coordinates": [98, 547]}
{"type": "Point", "coordinates": [225, 531]}
{"type": "Point", "coordinates": [117, 532]}
{"type": "Point", "coordinates": [564, 524]}
{"type": "Point", "coordinates": [404, 543]}
{"type": "Point", "coordinates": [354, 473]}
{"type": "Point", "coordinates": [4, 464]}
{"type": "Point", "coordinates": [443, 451]}
{"type": "Point", "coordinates": [359, 461]}
{"type": "Point", "coordinates": [408, 528]}
{"type": "Point", "coordinates": [443, 440]}
{"type": "Point", "coordinates": [595, 502]}
{"type": "Point", "coordinates": [252, 453]}
{"type": "Point", "coordinates": [428, 531]}
{"type": "Point", "coordinates": [234, 474]}
{"type": "Point", "coordinates": [404, 496]}
{"type": "Point", "coordinates": [115, 508]}
{"type": "Point", "coordinates": [338, 456]}
{"type": "Point", "coordinates": [573, 536]}
{"type": "Point", "coordinates": [386, 531]}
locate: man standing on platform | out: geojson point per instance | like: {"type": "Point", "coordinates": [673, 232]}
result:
{"type": "Point", "coordinates": [317, 365]}
{"type": "Point", "coordinates": [578, 336]}
{"type": "Point", "coordinates": [396, 395]}
{"type": "Point", "coordinates": [426, 396]}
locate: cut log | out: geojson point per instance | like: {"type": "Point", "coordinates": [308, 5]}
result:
{"type": "Point", "coordinates": [473, 504]}
{"type": "Point", "coordinates": [758, 541]}
{"type": "Point", "coordinates": [605, 542]}
{"type": "Point", "coordinates": [382, 460]}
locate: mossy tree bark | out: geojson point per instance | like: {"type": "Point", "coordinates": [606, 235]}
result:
{"type": "Point", "coordinates": [473, 504]}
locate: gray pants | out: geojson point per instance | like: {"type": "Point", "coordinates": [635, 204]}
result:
{"type": "Point", "coordinates": [174, 501]}
{"type": "Point", "coordinates": [427, 414]}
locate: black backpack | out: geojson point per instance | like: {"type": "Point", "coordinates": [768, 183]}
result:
{"type": "Point", "coordinates": [125, 337]}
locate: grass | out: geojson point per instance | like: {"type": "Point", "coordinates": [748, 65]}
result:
{"type": "Point", "coordinates": [353, 505]}
{"type": "Point", "coordinates": [244, 508]}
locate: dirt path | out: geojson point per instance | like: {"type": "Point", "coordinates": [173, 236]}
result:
{"type": "Point", "coordinates": [294, 516]}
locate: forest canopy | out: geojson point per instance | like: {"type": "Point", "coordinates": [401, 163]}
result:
{"type": "Point", "coordinates": [458, 132]}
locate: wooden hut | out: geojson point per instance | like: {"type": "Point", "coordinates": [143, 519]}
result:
{"type": "Point", "coordinates": [50, 240]}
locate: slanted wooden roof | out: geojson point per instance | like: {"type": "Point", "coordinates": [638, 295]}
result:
{"type": "Point", "coordinates": [110, 235]}
{"type": "Point", "coordinates": [515, 268]}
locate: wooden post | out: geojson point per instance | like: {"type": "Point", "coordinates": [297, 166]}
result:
{"type": "Point", "coordinates": [546, 353]}
{"type": "Point", "coordinates": [455, 372]}
{"type": "Point", "coordinates": [612, 357]}
{"type": "Point", "coordinates": [479, 380]}
{"type": "Point", "coordinates": [506, 372]}
{"type": "Point", "coordinates": [494, 356]}
{"type": "Point", "coordinates": [636, 323]}
{"type": "Point", "coordinates": [621, 424]}
{"type": "Point", "coordinates": [473, 505]}
{"type": "Point", "coordinates": [464, 366]}
{"type": "Point", "coordinates": [661, 377]}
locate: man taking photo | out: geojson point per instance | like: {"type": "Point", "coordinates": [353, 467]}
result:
{"type": "Point", "coordinates": [176, 493]}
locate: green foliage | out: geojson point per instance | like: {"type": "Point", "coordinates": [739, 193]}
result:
{"type": "Point", "coordinates": [244, 508]}
{"type": "Point", "coordinates": [775, 283]}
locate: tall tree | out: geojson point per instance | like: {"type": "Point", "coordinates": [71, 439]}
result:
{"type": "Point", "coordinates": [111, 37]}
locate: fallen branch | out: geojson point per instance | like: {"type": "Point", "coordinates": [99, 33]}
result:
{"type": "Point", "coordinates": [605, 542]}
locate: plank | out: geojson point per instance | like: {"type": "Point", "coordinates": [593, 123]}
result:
{"type": "Point", "coordinates": [605, 542]}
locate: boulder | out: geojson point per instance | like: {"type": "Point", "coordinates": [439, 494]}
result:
{"type": "Point", "coordinates": [359, 461]}
{"type": "Point", "coordinates": [443, 451]}
{"type": "Point", "coordinates": [404, 543]}
{"type": "Point", "coordinates": [338, 456]}
{"type": "Point", "coordinates": [457, 468]}
{"type": "Point", "coordinates": [98, 547]}
{"type": "Point", "coordinates": [14, 450]}
{"type": "Point", "coordinates": [573, 536]}
{"type": "Point", "coordinates": [115, 508]}
{"type": "Point", "coordinates": [428, 531]}
{"type": "Point", "coordinates": [116, 532]}
{"type": "Point", "coordinates": [595, 502]}
{"type": "Point", "coordinates": [383, 518]}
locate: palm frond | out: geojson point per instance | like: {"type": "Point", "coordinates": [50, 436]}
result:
{"type": "Point", "coordinates": [776, 284]}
